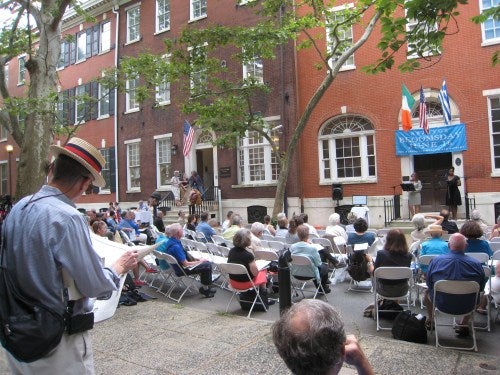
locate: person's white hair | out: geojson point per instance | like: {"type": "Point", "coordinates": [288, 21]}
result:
{"type": "Point", "coordinates": [475, 214]}
{"type": "Point", "coordinates": [257, 228]}
{"type": "Point", "coordinates": [334, 219]}
{"type": "Point", "coordinates": [418, 221]}
{"type": "Point", "coordinates": [281, 216]}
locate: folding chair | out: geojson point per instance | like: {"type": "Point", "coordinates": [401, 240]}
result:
{"type": "Point", "coordinates": [495, 246]}
{"type": "Point", "coordinates": [278, 246]}
{"type": "Point", "coordinates": [178, 280]}
{"type": "Point", "coordinates": [200, 237]}
{"type": "Point", "coordinates": [423, 260]}
{"type": "Point", "coordinates": [487, 326]}
{"type": "Point", "coordinates": [166, 274]}
{"type": "Point", "coordinates": [481, 257]}
{"type": "Point", "coordinates": [268, 237]}
{"type": "Point", "coordinates": [219, 240]}
{"type": "Point", "coordinates": [494, 297]}
{"type": "Point", "coordinates": [302, 262]}
{"type": "Point", "coordinates": [313, 235]}
{"type": "Point", "coordinates": [321, 232]}
{"type": "Point", "coordinates": [456, 287]}
{"type": "Point", "coordinates": [266, 255]}
{"type": "Point", "coordinates": [354, 286]}
{"type": "Point", "coordinates": [495, 239]}
{"type": "Point", "coordinates": [383, 232]}
{"type": "Point", "coordinates": [390, 273]}
{"type": "Point", "coordinates": [239, 269]}
{"type": "Point", "coordinates": [264, 244]}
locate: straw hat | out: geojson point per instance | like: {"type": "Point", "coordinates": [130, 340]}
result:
{"type": "Point", "coordinates": [433, 228]}
{"type": "Point", "coordinates": [84, 153]}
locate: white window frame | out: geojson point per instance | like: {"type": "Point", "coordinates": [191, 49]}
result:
{"type": "Point", "coordinates": [105, 37]}
{"type": "Point", "coordinates": [332, 159]}
{"type": "Point", "coordinates": [200, 74]}
{"type": "Point", "coordinates": [3, 133]}
{"type": "Point", "coordinates": [6, 74]}
{"type": "Point", "coordinates": [131, 104]}
{"type": "Point", "coordinates": [21, 72]}
{"type": "Point", "coordinates": [106, 169]}
{"type": "Point", "coordinates": [161, 5]}
{"type": "Point", "coordinates": [493, 94]}
{"type": "Point", "coordinates": [194, 5]}
{"type": "Point", "coordinates": [250, 69]}
{"type": "Point", "coordinates": [245, 149]}
{"type": "Point", "coordinates": [79, 104]}
{"type": "Point", "coordinates": [411, 23]}
{"type": "Point", "coordinates": [133, 30]}
{"type": "Point", "coordinates": [133, 161]}
{"type": "Point", "coordinates": [488, 41]}
{"type": "Point", "coordinates": [81, 46]}
{"type": "Point", "coordinates": [163, 147]}
{"type": "Point", "coordinates": [103, 102]}
{"type": "Point", "coordinates": [4, 178]}
{"type": "Point", "coordinates": [349, 63]}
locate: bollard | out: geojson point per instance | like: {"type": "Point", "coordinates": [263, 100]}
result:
{"type": "Point", "coordinates": [285, 292]}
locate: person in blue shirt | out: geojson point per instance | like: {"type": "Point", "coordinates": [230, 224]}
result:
{"type": "Point", "coordinates": [360, 235]}
{"type": "Point", "coordinates": [435, 246]}
{"type": "Point", "coordinates": [472, 230]}
{"type": "Point", "coordinates": [205, 228]}
{"type": "Point", "coordinates": [453, 266]}
{"type": "Point", "coordinates": [163, 239]}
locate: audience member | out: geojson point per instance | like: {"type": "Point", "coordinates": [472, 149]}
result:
{"type": "Point", "coordinates": [158, 221]}
{"type": "Point", "coordinates": [305, 219]}
{"type": "Point", "coordinates": [335, 229]}
{"type": "Point", "coordinates": [100, 228]}
{"type": "Point", "coordinates": [181, 218]}
{"type": "Point", "coordinates": [495, 231]}
{"type": "Point", "coordinates": [418, 221]}
{"type": "Point", "coordinates": [111, 222]}
{"type": "Point", "coordinates": [191, 267]}
{"type": "Point", "coordinates": [227, 223]}
{"type": "Point", "coordinates": [282, 223]}
{"type": "Point", "coordinates": [269, 226]}
{"type": "Point", "coordinates": [449, 226]}
{"type": "Point", "coordinates": [360, 235]}
{"type": "Point", "coordinates": [131, 229]}
{"type": "Point", "coordinates": [191, 223]}
{"type": "Point", "coordinates": [303, 247]}
{"type": "Point", "coordinates": [205, 228]}
{"type": "Point", "coordinates": [453, 266]}
{"type": "Point", "coordinates": [256, 232]}
{"type": "Point", "coordinates": [435, 245]}
{"type": "Point", "coordinates": [310, 338]}
{"type": "Point", "coordinates": [236, 223]}
{"type": "Point", "coordinates": [351, 219]}
{"type": "Point", "coordinates": [163, 238]}
{"type": "Point", "coordinates": [473, 232]}
{"type": "Point", "coordinates": [291, 236]}
{"type": "Point", "coordinates": [476, 216]}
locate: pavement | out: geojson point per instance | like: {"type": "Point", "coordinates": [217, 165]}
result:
{"type": "Point", "coordinates": [198, 337]}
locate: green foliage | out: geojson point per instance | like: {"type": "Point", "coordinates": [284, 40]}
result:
{"type": "Point", "coordinates": [494, 13]}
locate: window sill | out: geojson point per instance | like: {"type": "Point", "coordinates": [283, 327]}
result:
{"type": "Point", "coordinates": [255, 185]}
{"type": "Point", "coordinates": [197, 19]}
{"type": "Point", "coordinates": [132, 41]}
{"type": "Point", "coordinates": [160, 104]}
{"type": "Point", "coordinates": [21, 83]}
{"type": "Point", "coordinates": [347, 68]}
{"type": "Point", "coordinates": [80, 61]}
{"type": "Point", "coordinates": [490, 42]}
{"type": "Point", "coordinates": [371, 180]}
{"type": "Point", "coordinates": [131, 191]}
{"type": "Point", "coordinates": [133, 110]}
{"type": "Point", "coordinates": [104, 52]}
{"type": "Point", "coordinates": [161, 31]}
{"type": "Point", "coordinates": [104, 192]}
{"type": "Point", "coordinates": [102, 117]}
{"type": "Point", "coordinates": [495, 174]}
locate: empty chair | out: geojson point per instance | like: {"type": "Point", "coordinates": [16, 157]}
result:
{"type": "Point", "coordinates": [239, 269]}
{"type": "Point", "coordinates": [455, 288]}
{"type": "Point", "coordinates": [269, 255]}
{"type": "Point", "coordinates": [390, 273]}
{"type": "Point", "coordinates": [277, 245]}
{"type": "Point", "coordinates": [487, 326]}
{"type": "Point", "coordinates": [481, 257]}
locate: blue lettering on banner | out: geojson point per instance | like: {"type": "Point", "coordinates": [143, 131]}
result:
{"type": "Point", "coordinates": [441, 139]}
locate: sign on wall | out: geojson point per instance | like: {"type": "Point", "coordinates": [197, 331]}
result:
{"type": "Point", "coordinates": [451, 138]}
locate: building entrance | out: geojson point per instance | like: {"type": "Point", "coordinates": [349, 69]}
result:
{"type": "Point", "coordinates": [432, 171]}
{"type": "Point", "coordinates": [205, 166]}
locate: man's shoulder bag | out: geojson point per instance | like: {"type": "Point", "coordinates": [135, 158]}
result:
{"type": "Point", "coordinates": [410, 327]}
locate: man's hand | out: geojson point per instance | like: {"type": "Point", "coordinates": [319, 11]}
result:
{"type": "Point", "coordinates": [126, 262]}
{"type": "Point", "coordinates": [354, 356]}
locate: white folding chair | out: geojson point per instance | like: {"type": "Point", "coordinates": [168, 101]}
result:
{"type": "Point", "coordinates": [341, 244]}
{"type": "Point", "coordinates": [423, 260]}
{"type": "Point", "coordinates": [264, 244]}
{"type": "Point", "coordinates": [307, 273]}
{"type": "Point", "coordinates": [456, 287]}
{"type": "Point", "coordinates": [483, 258]}
{"type": "Point", "coordinates": [355, 286]}
{"type": "Point", "coordinates": [383, 232]}
{"type": "Point", "coordinates": [487, 326]}
{"type": "Point", "coordinates": [200, 236]}
{"type": "Point", "coordinates": [239, 269]}
{"type": "Point", "coordinates": [166, 274]}
{"type": "Point", "coordinates": [495, 239]}
{"type": "Point", "coordinates": [495, 246]}
{"type": "Point", "coordinates": [219, 240]}
{"type": "Point", "coordinates": [268, 237]}
{"type": "Point", "coordinates": [313, 235]}
{"type": "Point", "coordinates": [277, 245]}
{"type": "Point", "coordinates": [321, 232]}
{"type": "Point", "coordinates": [325, 242]}
{"type": "Point", "coordinates": [390, 273]}
{"type": "Point", "coordinates": [415, 248]}
{"type": "Point", "coordinates": [493, 296]}
{"type": "Point", "coordinates": [269, 255]}
{"type": "Point", "coordinates": [184, 281]}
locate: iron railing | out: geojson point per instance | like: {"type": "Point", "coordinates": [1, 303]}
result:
{"type": "Point", "coordinates": [210, 202]}
{"type": "Point", "coordinates": [470, 204]}
{"type": "Point", "coordinates": [389, 211]}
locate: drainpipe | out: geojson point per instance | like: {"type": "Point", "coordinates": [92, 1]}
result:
{"type": "Point", "coordinates": [117, 22]}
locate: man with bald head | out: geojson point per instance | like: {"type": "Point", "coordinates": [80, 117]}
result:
{"type": "Point", "coordinates": [454, 265]}
{"type": "Point", "coordinates": [310, 338]}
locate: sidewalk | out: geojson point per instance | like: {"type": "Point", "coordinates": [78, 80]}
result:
{"type": "Point", "coordinates": [157, 337]}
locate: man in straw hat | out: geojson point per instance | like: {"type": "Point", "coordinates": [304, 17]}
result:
{"type": "Point", "coordinates": [44, 235]}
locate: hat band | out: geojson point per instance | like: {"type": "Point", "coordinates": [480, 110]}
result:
{"type": "Point", "coordinates": [85, 155]}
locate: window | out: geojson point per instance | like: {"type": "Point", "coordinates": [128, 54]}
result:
{"type": "Point", "coordinates": [163, 93]}
{"type": "Point", "coordinates": [163, 161]}
{"type": "Point", "coordinates": [198, 9]}
{"type": "Point", "coordinates": [3, 133]}
{"type": "Point", "coordinates": [79, 104]}
{"type": "Point", "coordinates": [3, 179]}
{"type": "Point", "coordinates": [347, 150]}
{"type": "Point", "coordinates": [62, 108]}
{"type": "Point", "coordinates": [6, 74]}
{"type": "Point", "coordinates": [133, 24]}
{"type": "Point", "coordinates": [81, 46]}
{"type": "Point", "coordinates": [64, 55]}
{"type": "Point", "coordinates": [420, 46]}
{"type": "Point", "coordinates": [257, 163]}
{"type": "Point", "coordinates": [254, 69]}
{"type": "Point", "coordinates": [106, 170]}
{"type": "Point", "coordinates": [133, 166]}
{"type": "Point", "coordinates": [494, 115]}
{"type": "Point", "coordinates": [198, 59]}
{"type": "Point", "coordinates": [105, 41]}
{"type": "Point", "coordinates": [21, 77]}
{"type": "Point", "coordinates": [336, 28]}
{"type": "Point", "coordinates": [162, 15]}
{"type": "Point", "coordinates": [104, 101]}
{"type": "Point", "coordinates": [491, 27]}
{"type": "Point", "coordinates": [131, 103]}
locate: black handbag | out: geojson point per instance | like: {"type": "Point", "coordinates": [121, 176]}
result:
{"type": "Point", "coordinates": [410, 327]}
{"type": "Point", "coordinates": [29, 330]}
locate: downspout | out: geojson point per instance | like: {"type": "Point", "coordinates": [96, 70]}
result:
{"type": "Point", "coordinates": [287, 124]}
{"type": "Point", "coordinates": [117, 22]}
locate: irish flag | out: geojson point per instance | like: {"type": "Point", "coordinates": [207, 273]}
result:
{"type": "Point", "coordinates": [406, 106]}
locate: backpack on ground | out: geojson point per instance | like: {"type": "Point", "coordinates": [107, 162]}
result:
{"type": "Point", "coordinates": [357, 266]}
{"type": "Point", "coordinates": [246, 300]}
{"type": "Point", "coordinates": [410, 327]}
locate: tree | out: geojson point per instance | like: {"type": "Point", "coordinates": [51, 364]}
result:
{"type": "Point", "coordinates": [491, 13]}
{"type": "Point", "coordinates": [41, 45]}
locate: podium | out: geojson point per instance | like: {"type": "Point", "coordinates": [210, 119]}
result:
{"type": "Point", "coordinates": [407, 187]}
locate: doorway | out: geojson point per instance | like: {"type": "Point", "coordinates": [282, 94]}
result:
{"type": "Point", "coordinates": [205, 166]}
{"type": "Point", "coordinates": [432, 171]}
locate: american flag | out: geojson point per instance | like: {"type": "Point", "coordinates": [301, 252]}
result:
{"type": "Point", "coordinates": [422, 113]}
{"type": "Point", "coordinates": [188, 137]}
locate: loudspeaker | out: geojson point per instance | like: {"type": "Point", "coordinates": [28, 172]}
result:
{"type": "Point", "coordinates": [337, 192]}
